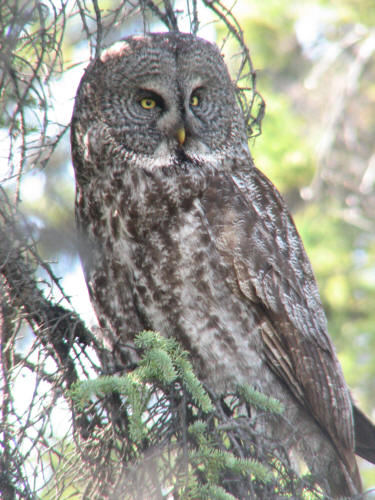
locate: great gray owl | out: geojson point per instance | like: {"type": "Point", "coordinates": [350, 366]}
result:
{"type": "Point", "coordinates": [184, 235]}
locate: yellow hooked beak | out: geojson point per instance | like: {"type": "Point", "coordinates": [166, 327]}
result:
{"type": "Point", "coordinates": [181, 135]}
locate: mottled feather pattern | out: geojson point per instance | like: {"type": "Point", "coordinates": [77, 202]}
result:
{"type": "Point", "coordinates": [191, 239]}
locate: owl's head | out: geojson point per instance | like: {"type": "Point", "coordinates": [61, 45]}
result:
{"type": "Point", "coordinates": [161, 98]}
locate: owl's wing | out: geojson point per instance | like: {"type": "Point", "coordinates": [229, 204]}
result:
{"type": "Point", "coordinates": [254, 233]}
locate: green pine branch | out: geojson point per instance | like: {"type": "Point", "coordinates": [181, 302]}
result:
{"type": "Point", "coordinates": [203, 461]}
{"type": "Point", "coordinates": [163, 362]}
{"type": "Point", "coordinates": [260, 400]}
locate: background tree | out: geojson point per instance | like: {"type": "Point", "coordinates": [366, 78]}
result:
{"type": "Point", "coordinates": [315, 68]}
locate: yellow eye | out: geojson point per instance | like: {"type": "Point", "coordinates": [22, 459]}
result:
{"type": "Point", "coordinates": [194, 100]}
{"type": "Point", "coordinates": [148, 103]}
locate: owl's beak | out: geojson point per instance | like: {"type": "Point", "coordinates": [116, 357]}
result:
{"type": "Point", "coordinates": [181, 135]}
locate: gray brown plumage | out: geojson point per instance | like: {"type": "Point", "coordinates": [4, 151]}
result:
{"type": "Point", "coordinates": [184, 235]}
